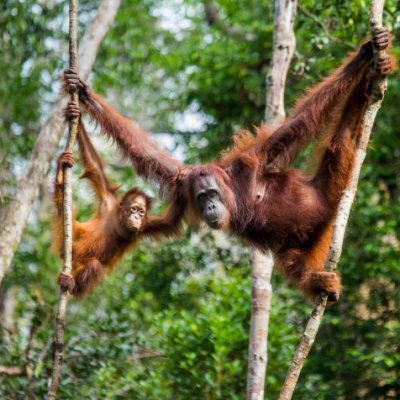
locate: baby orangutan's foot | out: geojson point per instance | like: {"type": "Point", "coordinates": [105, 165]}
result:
{"type": "Point", "coordinates": [66, 158]}
{"type": "Point", "coordinates": [384, 65]}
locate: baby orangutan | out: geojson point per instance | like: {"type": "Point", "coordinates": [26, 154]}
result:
{"type": "Point", "coordinates": [116, 225]}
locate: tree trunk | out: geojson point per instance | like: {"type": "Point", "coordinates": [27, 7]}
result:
{"type": "Point", "coordinates": [284, 43]}
{"type": "Point", "coordinates": [339, 227]}
{"type": "Point", "coordinates": [15, 217]}
{"type": "Point", "coordinates": [7, 308]}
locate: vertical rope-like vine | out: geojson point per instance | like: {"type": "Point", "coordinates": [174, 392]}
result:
{"type": "Point", "coordinates": [67, 211]}
{"type": "Point", "coordinates": [339, 228]}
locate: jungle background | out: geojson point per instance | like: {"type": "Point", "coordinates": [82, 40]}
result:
{"type": "Point", "coordinates": [172, 321]}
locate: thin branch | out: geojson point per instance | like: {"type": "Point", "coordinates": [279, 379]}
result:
{"type": "Point", "coordinates": [284, 43]}
{"type": "Point", "coordinates": [43, 353]}
{"type": "Point", "coordinates": [328, 34]}
{"type": "Point", "coordinates": [213, 18]}
{"type": "Point", "coordinates": [39, 318]}
{"type": "Point", "coordinates": [144, 352]}
{"type": "Point", "coordinates": [379, 87]}
{"type": "Point", "coordinates": [12, 371]}
{"type": "Point", "coordinates": [67, 209]}
{"type": "Point", "coordinates": [37, 321]}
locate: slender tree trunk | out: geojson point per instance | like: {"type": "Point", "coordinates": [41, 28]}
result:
{"type": "Point", "coordinates": [7, 308]}
{"type": "Point", "coordinates": [284, 43]}
{"type": "Point", "coordinates": [342, 217]}
{"type": "Point", "coordinates": [261, 295]}
{"type": "Point", "coordinates": [67, 207]}
{"type": "Point", "coordinates": [15, 217]}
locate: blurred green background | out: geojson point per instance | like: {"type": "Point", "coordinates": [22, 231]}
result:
{"type": "Point", "coordinates": [172, 322]}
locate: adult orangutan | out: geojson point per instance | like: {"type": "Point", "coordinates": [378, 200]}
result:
{"type": "Point", "coordinates": [249, 191]}
{"type": "Point", "coordinates": [116, 225]}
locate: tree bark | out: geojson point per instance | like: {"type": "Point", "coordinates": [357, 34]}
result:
{"type": "Point", "coordinates": [261, 295]}
{"type": "Point", "coordinates": [15, 217]}
{"type": "Point", "coordinates": [342, 217]}
{"type": "Point", "coordinates": [7, 308]}
{"type": "Point", "coordinates": [284, 43]}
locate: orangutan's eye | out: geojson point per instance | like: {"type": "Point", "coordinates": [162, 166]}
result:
{"type": "Point", "coordinates": [202, 197]}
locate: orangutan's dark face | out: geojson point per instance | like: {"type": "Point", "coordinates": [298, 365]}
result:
{"type": "Point", "coordinates": [209, 200]}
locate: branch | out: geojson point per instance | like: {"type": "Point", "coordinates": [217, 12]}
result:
{"type": "Point", "coordinates": [144, 352]}
{"type": "Point", "coordinates": [15, 217]}
{"type": "Point", "coordinates": [284, 43]}
{"type": "Point", "coordinates": [12, 371]}
{"type": "Point", "coordinates": [339, 227]}
{"type": "Point", "coordinates": [213, 19]}
{"type": "Point", "coordinates": [324, 27]}
{"type": "Point", "coordinates": [36, 321]}
{"type": "Point", "coordinates": [67, 209]}
{"type": "Point", "coordinates": [39, 318]}
{"type": "Point", "coordinates": [42, 355]}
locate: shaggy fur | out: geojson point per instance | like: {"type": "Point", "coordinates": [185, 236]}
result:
{"type": "Point", "coordinates": [102, 240]}
{"type": "Point", "coordinates": [270, 206]}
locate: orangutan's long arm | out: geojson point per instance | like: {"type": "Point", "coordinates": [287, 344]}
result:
{"type": "Point", "coordinates": [93, 167]}
{"type": "Point", "coordinates": [148, 160]}
{"type": "Point", "coordinates": [168, 224]}
{"type": "Point", "coordinates": [323, 106]}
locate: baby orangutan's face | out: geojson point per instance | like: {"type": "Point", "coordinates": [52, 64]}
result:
{"type": "Point", "coordinates": [133, 213]}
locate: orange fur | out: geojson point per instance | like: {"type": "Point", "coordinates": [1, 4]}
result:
{"type": "Point", "coordinates": [269, 205]}
{"type": "Point", "coordinates": [100, 242]}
